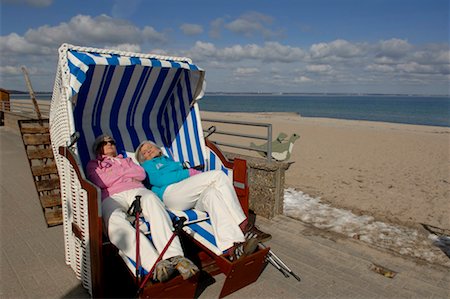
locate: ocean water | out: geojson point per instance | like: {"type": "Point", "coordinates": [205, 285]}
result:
{"type": "Point", "coordinates": [418, 110]}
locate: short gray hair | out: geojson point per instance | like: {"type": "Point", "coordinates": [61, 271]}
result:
{"type": "Point", "coordinates": [139, 157]}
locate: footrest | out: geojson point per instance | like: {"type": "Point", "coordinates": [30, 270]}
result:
{"type": "Point", "coordinates": [174, 288]}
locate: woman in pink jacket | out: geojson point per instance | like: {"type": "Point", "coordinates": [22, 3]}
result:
{"type": "Point", "coordinates": [120, 180]}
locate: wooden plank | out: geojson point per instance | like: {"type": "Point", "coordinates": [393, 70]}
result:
{"type": "Point", "coordinates": [44, 169]}
{"type": "Point", "coordinates": [36, 129]}
{"type": "Point", "coordinates": [53, 216]}
{"type": "Point", "coordinates": [50, 200]}
{"type": "Point", "coordinates": [40, 153]}
{"type": "Point", "coordinates": [36, 139]}
{"type": "Point", "coordinates": [46, 185]}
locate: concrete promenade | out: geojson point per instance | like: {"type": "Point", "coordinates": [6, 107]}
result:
{"type": "Point", "coordinates": [32, 255]}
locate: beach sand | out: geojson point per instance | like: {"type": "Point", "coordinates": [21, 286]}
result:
{"type": "Point", "coordinates": [397, 173]}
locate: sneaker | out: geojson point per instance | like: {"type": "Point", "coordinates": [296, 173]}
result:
{"type": "Point", "coordinates": [164, 270]}
{"type": "Point", "coordinates": [184, 266]}
{"type": "Point", "coordinates": [243, 249]}
{"type": "Point", "coordinates": [253, 232]}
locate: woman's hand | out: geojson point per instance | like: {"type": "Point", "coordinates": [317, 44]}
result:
{"type": "Point", "coordinates": [193, 171]}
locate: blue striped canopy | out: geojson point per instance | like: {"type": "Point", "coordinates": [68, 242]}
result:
{"type": "Point", "coordinates": [136, 98]}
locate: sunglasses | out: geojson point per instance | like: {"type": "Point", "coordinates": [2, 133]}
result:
{"type": "Point", "coordinates": [103, 143]}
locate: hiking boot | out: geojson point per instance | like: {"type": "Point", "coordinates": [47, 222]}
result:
{"type": "Point", "coordinates": [164, 270]}
{"type": "Point", "coordinates": [243, 249]}
{"type": "Point", "coordinates": [253, 232]}
{"type": "Point", "coordinates": [185, 267]}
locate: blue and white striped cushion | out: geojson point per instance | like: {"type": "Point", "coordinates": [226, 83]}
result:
{"type": "Point", "coordinates": [198, 225]}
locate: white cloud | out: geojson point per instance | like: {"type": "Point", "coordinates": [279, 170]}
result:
{"type": "Point", "coordinates": [433, 55]}
{"type": "Point", "coordinates": [338, 61]}
{"type": "Point", "coordinates": [151, 35]}
{"type": "Point", "coordinates": [338, 48]}
{"type": "Point", "coordinates": [18, 45]}
{"type": "Point", "coordinates": [302, 79]}
{"type": "Point", "coordinates": [9, 70]}
{"type": "Point", "coordinates": [380, 68]}
{"type": "Point", "coordinates": [251, 24]}
{"type": "Point", "coordinates": [87, 30]}
{"type": "Point", "coordinates": [269, 52]}
{"type": "Point", "coordinates": [216, 25]}
{"type": "Point", "coordinates": [414, 67]}
{"type": "Point", "coordinates": [319, 68]}
{"type": "Point", "coordinates": [245, 71]}
{"type": "Point", "coordinates": [191, 29]}
{"type": "Point", "coordinates": [394, 48]}
{"type": "Point", "coordinates": [128, 48]}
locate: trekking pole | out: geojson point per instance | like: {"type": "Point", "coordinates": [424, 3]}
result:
{"type": "Point", "coordinates": [137, 209]}
{"type": "Point", "coordinates": [278, 267]}
{"type": "Point", "coordinates": [178, 225]}
{"type": "Point", "coordinates": [280, 263]}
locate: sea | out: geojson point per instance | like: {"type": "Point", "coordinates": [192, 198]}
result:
{"type": "Point", "coordinates": [414, 109]}
{"type": "Point", "coordinates": [417, 110]}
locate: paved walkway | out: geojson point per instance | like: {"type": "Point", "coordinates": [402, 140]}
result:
{"type": "Point", "coordinates": [32, 255]}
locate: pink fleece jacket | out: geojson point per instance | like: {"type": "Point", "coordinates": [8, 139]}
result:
{"type": "Point", "coordinates": [114, 175]}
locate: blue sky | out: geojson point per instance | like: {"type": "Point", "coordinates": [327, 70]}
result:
{"type": "Point", "coordinates": [372, 46]}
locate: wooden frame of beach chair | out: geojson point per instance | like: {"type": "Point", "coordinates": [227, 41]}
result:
{"type": "Point", "coordinates": [92, 87]}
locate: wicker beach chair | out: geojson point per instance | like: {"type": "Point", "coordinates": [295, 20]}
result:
{"type": "Point", "coordinates": [135, 97]}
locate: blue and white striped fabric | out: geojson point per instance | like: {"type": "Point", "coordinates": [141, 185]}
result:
{"type": "Point", "coordinates": [80, 62]}
{"type": "Point", "coordinates": [216, 163]}
{"type": "Point", "coordinates": [148, 100]}
{"type": "Point", "coordinates": [198, 226]}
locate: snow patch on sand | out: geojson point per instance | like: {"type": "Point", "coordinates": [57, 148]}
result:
{"type": "Point", "coordinates": [403, 240]}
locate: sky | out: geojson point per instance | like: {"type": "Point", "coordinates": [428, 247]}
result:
{"type": "Point", "coordinates": [305, 46]}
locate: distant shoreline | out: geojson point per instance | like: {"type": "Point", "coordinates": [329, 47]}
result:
{"type": "Point", "coordinates": [18, 92]}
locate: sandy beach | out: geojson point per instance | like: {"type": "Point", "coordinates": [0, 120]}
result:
{"type": "Point", "coordinates": [395, 172]}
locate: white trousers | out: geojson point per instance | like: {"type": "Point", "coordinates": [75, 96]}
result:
{"type": "Point", "coordinates": [212, 192]}
{"type": "Point", "coordinates": [123, 235]}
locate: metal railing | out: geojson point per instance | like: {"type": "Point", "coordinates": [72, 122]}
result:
{"type": "Point", "coordinates": [25, 108]}
{"type": "Point", "coordinates": [268, 137]}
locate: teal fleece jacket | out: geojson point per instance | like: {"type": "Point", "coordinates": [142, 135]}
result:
{"type": "Point", "coordinates": [162, 171]}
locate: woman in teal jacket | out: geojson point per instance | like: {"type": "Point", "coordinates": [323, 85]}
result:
{"type": "Point", "coordinates": [212, 192]}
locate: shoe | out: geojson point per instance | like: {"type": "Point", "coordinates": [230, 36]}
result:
{"type": "Point", "coordinates": [253, 232]}
{"type": "Point", "coordinates": [164, 270]}
{"type": "Point", "coordinates": [184, 266]}
{"type": "Point", "coordinates": [243, 249]}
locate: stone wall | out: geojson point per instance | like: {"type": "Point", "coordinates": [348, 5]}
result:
{"type": "Point", "coordinates": [266, 183]}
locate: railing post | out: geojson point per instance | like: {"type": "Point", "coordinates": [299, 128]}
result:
{"type": "Point", "coordinates": [269, 143]}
